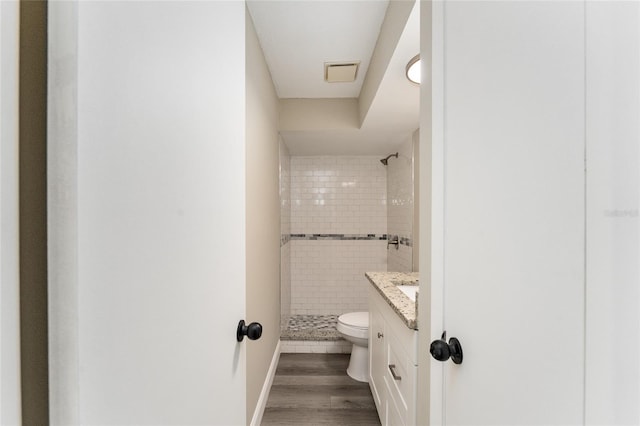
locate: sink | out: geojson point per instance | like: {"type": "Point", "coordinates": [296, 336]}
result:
{"type": "Point", "coordinates": [409, 290]}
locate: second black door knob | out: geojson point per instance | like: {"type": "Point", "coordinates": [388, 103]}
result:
{"type": "Point", "coordinates": [442, 351]}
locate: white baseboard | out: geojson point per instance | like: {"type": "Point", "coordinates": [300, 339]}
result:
{"type": "Point", "coordinates": [264, 394]}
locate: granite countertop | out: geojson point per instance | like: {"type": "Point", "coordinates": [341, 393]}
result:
{"type": "Point", "coordinates": [386, 283]}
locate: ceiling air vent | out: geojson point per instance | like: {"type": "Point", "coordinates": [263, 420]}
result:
{"type": "Point", "coordinates": [343, 72]}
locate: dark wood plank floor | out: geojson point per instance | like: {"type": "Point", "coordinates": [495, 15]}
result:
{"type": "Point", "coordinates": [314, 389]}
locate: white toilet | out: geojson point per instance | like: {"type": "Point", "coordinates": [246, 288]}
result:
{"type": "Point", "coordinates": [354, 327]}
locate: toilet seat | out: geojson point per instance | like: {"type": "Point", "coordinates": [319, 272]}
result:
{"type": "Point", "coordinates": [354, 324]}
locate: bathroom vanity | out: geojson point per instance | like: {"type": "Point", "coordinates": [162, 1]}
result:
{"type": "Point", "coordinates": [393, 347]}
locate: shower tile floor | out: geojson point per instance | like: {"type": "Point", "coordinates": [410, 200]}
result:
{"type": "Point", "coordinates": [311, 327]}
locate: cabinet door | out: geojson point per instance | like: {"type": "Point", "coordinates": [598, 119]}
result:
{"type": "Point", "coordinates": [377, 357]}
{"type": "Point", "coordinates": [394, 414]}
{"type": "Point", "coordinates": [401, 377]}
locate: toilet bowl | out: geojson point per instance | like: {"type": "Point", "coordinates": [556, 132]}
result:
{"type": "Point", "coordinates": [354, 327]}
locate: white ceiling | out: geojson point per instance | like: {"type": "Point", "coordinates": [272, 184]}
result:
{"type": "Point", "coordinates": [299, 36]}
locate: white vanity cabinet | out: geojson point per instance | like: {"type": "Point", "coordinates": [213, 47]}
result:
{"type": "Point", "coordinates": [393, 363]}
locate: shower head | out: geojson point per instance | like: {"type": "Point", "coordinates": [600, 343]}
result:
{"type": "Point", "coordinates": [385, 161]}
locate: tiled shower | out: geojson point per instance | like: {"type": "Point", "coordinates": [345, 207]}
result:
{"type": "Point", "coordinates": [335, 220]}
{"type": "Point", "coordinates": [401, 174]}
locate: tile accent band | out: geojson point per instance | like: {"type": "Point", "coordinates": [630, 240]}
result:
{"type": "Point", "coordinates": [338, 236]}
{"type": "Point", "coordinates": [285, 238]}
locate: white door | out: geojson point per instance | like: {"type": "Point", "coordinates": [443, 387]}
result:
{"type": "Point", "coordinates": [147, 212]}
{"type": "Point", "coordinates": [536, 155]}
{"type": "Point", "coordinates": [509, 221]}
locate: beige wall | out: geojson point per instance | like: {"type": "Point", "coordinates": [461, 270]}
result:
{"type": "Point", "coordinates": [394, 22]}
{"type": "Point", "coordinates": [319, 114]}
{"type": "Point", "coordinates": [263, 216]}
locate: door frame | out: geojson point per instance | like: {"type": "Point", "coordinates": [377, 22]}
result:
{"type": "Point", "coordinates": [10, 393]}
{"type": "Point", "coordinates": [432, 208]}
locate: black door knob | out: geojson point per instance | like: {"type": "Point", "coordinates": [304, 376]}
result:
{"type": "Point", "coordinates": [253, 331]}
{"type": "Point", "coordinates": [442, 351]}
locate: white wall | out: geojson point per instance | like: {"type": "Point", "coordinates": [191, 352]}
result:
{"type": "Point", "coordinates": [346, 198]}
{"type": "Point", "coordinates": [153, 193]}
{"type": "Point", "coordinates": [263, 215]}
{"type": "Point", "coordinates": [613, 195]}
{"type": "Point", "coordinates": [10, 412]}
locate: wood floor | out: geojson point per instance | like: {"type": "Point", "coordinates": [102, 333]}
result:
{"type": "Point", "coordinates": [314, 389]}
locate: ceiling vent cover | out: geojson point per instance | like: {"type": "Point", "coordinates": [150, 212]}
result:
{"type": "Point", "coordinates": [341, 72]}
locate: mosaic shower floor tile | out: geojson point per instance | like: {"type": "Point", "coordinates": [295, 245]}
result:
{"type": "Point", "coordinates": [311, 327]}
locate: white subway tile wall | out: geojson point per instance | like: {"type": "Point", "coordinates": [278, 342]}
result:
{"type": "Point", "coordinates": [400, 208]}
{"type": "Point", "coordinates": [400, 260]}
{"type": "Point", "coordinates": [285, 284]}
{"type": "Point", "coordinates": [327, 277]}
{"type": "Point", "coordinates": [285, 232]}
{"type": "Point", "coordinates": [336, 195]}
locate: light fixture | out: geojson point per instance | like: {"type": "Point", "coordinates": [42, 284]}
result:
{"type": "Point", "coordinates": [413, 69]}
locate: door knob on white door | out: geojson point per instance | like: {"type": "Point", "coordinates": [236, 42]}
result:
{"type": "Point", "coordinates": [253, 331]}
{"type": "Point", "coordinates": [442, 351]}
